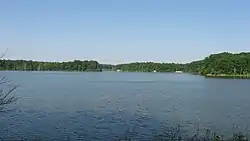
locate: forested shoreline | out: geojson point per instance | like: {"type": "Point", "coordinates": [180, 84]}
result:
{"type": "Point", "coordinates": [221, 64]}
{"type": "Point", "coordinates": [24, 65]}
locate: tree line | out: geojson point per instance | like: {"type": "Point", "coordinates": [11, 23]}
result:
{"type": "Point", "coordinates": [221, 63]}
{"type": "Point", "coordinates": [24, 65]}
{"type": "Point", "coordinates": [193, 67]}
{"type": "Point", "coordinates": [150, 67]}
{"type": "Point", "coordinates": [226, 63]}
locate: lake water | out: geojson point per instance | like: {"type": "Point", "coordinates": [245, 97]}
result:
{"type": "Point", "coordinates": [109, 105]}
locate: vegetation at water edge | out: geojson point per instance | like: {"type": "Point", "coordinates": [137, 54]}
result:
{"type": "Point", "coordinates": [25, 65]}
{"type": "Point", "coordinates": [222, 64]}
{"type": "Point", "coordinates": [216, 65]}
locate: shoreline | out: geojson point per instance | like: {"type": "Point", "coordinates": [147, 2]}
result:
{"type": "Point", "coordinates": [229, 76]}
{"type": "Point", "coordinates": [223, 76]}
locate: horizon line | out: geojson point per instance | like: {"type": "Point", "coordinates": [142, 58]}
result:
{"type": "Point", "coordinates": [128, 62]}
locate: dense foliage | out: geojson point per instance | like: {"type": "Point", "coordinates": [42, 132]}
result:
{"type": "Point", "coordinates": [226, 63]}
{"type": "Point", "coordinates": [76, 65]}
{"type": "Point", "coordinates": [107, 67]}
{"type": "Point", "coordinates": [150, 67]}
{"type": "Point", "coordinates": [193, 67]}
{"type": "Point", "coordinates": [222, 63]}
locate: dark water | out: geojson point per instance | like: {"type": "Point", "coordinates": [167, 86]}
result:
{"type": "Point", "coordinates": [109, 105]}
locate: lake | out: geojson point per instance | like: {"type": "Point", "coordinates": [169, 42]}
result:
{"type": "Point", "coordinates": [112, 105]}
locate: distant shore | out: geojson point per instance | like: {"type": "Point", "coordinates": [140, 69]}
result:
{"type": "Point", "coordinates": [229, 76]}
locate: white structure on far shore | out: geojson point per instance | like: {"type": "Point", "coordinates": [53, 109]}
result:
{"type": "Point", "coordinates": [179, 72]}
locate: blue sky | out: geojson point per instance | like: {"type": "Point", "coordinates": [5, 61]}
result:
{"type": "Point", "coordinates": [120, 31]}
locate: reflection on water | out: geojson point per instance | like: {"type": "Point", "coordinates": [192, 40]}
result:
{"type": "Point", "coordinates": [110, 106]}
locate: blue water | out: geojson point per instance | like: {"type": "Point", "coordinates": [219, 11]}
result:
{"type": "Point", "coordinates": [109, 105]}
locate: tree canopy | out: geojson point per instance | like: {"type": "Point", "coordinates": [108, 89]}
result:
{"type": "Point", "coordinates": [226, 63]}
{"type": "Point", "coordinates": [150, 67]}
{"type": "Point", "coordinates": [221, 63]}
{"type": "Point", "coordinates": [75, 65]}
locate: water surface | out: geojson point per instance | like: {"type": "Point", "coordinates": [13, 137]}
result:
{"type": "Point", "coordinates": [111, 105]}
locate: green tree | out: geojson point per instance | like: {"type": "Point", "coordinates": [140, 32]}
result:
{"type": "Point", "coordinates": [76, 65]}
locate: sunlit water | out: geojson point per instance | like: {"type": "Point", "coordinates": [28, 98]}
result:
{"type": "Point", "coordinates": [110, 105]}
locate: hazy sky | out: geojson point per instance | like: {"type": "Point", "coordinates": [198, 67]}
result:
{"type": "Point", "coordinates": [115, 31]}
